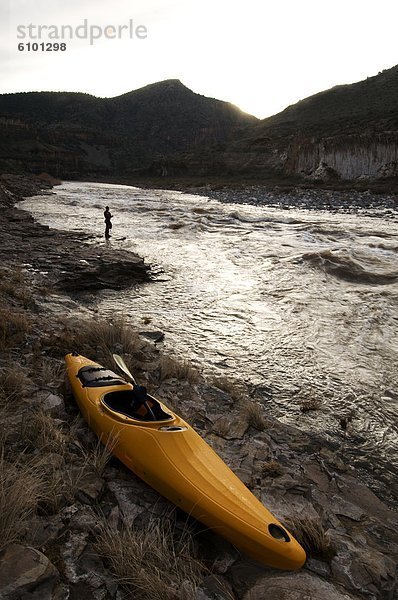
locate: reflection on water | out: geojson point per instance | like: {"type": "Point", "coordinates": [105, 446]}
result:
{"type": "Point", "coordinates": [302, 302]}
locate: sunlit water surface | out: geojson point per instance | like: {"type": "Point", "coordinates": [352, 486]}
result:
{"type": "Point", "coordinates": [303, 303]}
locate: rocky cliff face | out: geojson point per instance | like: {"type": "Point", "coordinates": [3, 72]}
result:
{"type": "Point", "coordinates": [347, 132]}
{"type": "Point", "coordinates": [349, 157]}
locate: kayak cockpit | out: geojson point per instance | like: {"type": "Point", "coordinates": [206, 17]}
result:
{"type": "Point", "coordinates": [131, 404]}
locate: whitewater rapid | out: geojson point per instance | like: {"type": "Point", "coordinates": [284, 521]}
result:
{"type": "Point", "coordinates": [301, 303]}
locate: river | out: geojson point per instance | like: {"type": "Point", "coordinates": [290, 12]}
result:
{"type": "Point", "coordinates": [300, 303]}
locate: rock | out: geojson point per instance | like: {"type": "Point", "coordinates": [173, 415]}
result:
{"type": "Point", "coordinates": [134, 498]}
{"type": "Point", "coordinates": [102, 269]}
{"type": "Point", "coordinates": [89, 488]}
{"type": "Point", "coordinates": [114, 518]}
{"type": "Point", "coordinates": [42, 531]}
{"type": "Point", "coordinates": [71, 553]}
{"type": "Point", "coordinates": [324, 173]}
{"type": "Point", "coordinates": [27, 573]}
{"type": "Point", "coordinates": [214, 588]}
{"type": "Point", "coordinates": [85, 571]}
{"type": "Point", "coordinates": [231, 427]}
{"type": "Point", "coordinates": [295, 586]}
{"type": "Point", "coordinates": [346, 509]}
{"type": "Point", "coordinates": [356, 492]}
{"type": "Point", "coordinates": [362, 569]}
{"type": "Point", "coordinates": [153, 336]}
{"type": "Point", "coordinates": [52, 404]}
{"type": "Point", "coordinates": [84, 520]}
{"type": "Point", "coordinates": [318, 567]}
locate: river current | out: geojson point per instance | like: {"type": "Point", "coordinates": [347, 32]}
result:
{"type": "Point", "coordinates": [301, 303]}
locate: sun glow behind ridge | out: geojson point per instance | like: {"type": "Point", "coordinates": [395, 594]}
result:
{"type": "Point", "coordinates": [260, 55]}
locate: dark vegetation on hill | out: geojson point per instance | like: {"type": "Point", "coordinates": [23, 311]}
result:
{"type": "Point", "coordinates": [366, 104]}
{"type": "Point", "coordinates": [72, 135]}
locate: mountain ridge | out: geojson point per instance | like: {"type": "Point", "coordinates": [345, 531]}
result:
{"type": "Point", "coordinates": [348, 132]}
{"type": "Point", "coordinates": [71, 134]}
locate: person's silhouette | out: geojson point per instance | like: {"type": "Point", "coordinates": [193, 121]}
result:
{"type": "Point", "coordinates": [108, 222]}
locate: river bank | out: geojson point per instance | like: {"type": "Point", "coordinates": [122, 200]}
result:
{"type": "Point", "coordinates": [335, 197]}
{"type": "Point", "coordinates": [76, 496]}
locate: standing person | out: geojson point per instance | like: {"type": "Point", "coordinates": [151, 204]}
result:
{"type": "Point", "coordinates": [108, 223]}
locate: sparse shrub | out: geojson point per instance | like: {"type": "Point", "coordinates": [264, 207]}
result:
{"type": "Point", "coordinates": [146, 320]}
{"type": "Point", "coordinates": [252, 412]}
{"type": "Point", "coordinates": [311, 534]}
{"type": "Point", "coordinates": [310, 404]}
{"type": "Point", "coordinates": [179, 369]}
{"type": "Point", "coordinates": [271, 468]}
{"type": "Point", "coordinates": [152, 563]}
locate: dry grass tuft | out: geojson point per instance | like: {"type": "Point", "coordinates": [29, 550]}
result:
{"type": "Point", "coordinates": [14, 383]}
{"type": "Point", "coordinates": [13, 327]}
{"type": "Point", "coordinates": [252, 413]}
{"type": "Point", "coordinates": [151, 563]}
{"type": "Point", "coordinates": [94, 338]}
{"type": "Point", "coordinates": [20, 492]}
{"type": "Point", "coordinates": [111, 336]}
{"type": "Point", "coordinates": [96, 458]}
{"type": "Point", "coordinates": [271, 468]}
{"type": "Point", "coordinates": [173, 368]}
{"type": "Point", "coordinates": [231, 387]}
{"type": "Point", "coordinates": [44, 433]}
{"type": "Point", "coordinates": [311, 534]}
{"type": "Point", "coordinates": [14, 285]}
{"type": "Point", "coordinates": [51, 372]}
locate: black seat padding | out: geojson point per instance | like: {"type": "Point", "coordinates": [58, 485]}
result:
{"type": "Point", "coordinates": [98, 377]}
{"type": "Point", "coordinates": [127, 402]}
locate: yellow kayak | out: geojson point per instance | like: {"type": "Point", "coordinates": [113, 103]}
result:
{"type": "Point", "coordinates": [164, 451]}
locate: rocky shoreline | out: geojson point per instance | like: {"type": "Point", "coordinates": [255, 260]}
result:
{"type": "Point", "coordinates": [334, 201]}
{"type": "Point", "coordinates": [67, 260]}
{"type": "Point", "coordinates": [282, 194]}
{"type": "Point", "coordinates": [62, 498]}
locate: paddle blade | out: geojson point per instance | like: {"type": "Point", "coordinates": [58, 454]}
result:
{"type": "Point", "coordinates": [123, 367]}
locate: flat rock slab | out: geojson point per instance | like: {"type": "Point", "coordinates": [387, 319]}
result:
{"type": "Point", "coordinates": [26, 573]}
{"type": "Point", "coordinates": [295, 586]}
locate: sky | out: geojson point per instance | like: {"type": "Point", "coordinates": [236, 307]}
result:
{"type": "Point", "coordinates": [261, 55]}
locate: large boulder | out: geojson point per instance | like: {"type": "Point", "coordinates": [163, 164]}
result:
{"type": "Point", "coordinates": [27, 573]}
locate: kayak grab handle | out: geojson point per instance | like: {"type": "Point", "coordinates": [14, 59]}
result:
{"type": "Point", "coordinates": [172, 428]}
{"type": "Point", "coordinates": [278, 533]}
